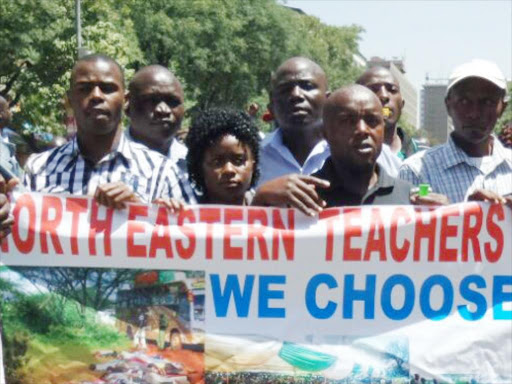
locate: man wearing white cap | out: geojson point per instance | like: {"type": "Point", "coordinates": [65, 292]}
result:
{"type": "Point", "coordinates": [472, 164]}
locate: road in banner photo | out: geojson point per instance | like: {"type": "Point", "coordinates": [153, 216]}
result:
{"type": "Point", "coordinates": [92, 325]}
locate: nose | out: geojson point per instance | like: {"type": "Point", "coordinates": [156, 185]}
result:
{"type": "Point", "coordinates": [162, 109]}
{"type": "Point", "coordinates": [296, 92]}
{"type": "Point", "coordinates": [361, 127]}
{"type": "Point", "coordinates": [383, 95]}
{"type": "Point", "coordinates": [228, 169]}
{"type": "Point", "coordinates": [96, 93]}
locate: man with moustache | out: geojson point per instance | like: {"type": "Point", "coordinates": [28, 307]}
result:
{"type": "Point", "coordinates": [472, 164]}
{"type": "Point", "coordinates": [354, 129]}
{"type": "Point", "coordinates": [100, 161]}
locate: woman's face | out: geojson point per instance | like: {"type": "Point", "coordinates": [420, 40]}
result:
{"type": "Point", "coordinates": [227, 170]}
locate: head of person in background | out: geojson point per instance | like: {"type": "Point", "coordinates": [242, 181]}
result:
{"type": "Point", "coordinates": [384, 84]}
{"type": "Point", "coordinates": [354, 129]}
{"type": "Point", "coordinates": [5, 113]}
{"type": "Point", "coordinates": [156, 108]}
{"type": "Point", "coordinates": [297, 96]}
{"type": "Point", "coordinates": [223, 156]}
{"type": "Point", "coordinates": [475, 100]}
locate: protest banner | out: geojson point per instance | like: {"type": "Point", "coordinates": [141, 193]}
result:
{"type": "Point", "coordinates": [248, 294]}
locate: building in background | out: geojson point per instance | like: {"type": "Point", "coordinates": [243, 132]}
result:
{"type": "Point", "coordinates": [433, 115]}
{"type": "Point", "coordinates": [409, 93]}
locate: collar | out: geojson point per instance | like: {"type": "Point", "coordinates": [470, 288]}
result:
{"type": "Point", "coordinates": [122, 149]}
{"type": "Point", "coordinates": [454, 155]}
{"type": "Point", "coordinates": [275, 141]}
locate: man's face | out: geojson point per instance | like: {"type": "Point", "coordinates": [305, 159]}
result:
{"type": "Point", "coordinates": [387, 89]}
{"type": "Point", "coordinates": [355, 129]}
{"type": "Point", "coordinates": [298, 94]}
{"type": "Point", "coordinates": [474, 105]}
{"type": "Point", "coordinates": [156, 108]}
{"type": "Point", "coordinates": [5, 113]}
{"type": "Point", "coordinates": [97, 97]}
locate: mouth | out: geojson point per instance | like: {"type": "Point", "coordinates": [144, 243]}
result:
{"type": "Point", "coordinates": [98, 112]}
{"type": "Point", "coordinates": [364, 148]}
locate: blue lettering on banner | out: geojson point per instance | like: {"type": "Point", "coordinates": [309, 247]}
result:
{"type": "Point", "coordinates": [265, 294]}
{"type": "Point", "coordinates": [387, 290]}
{"type": "Point", "coordinates": [311, 303]}
{"type": "Point", "coordinates": [425, 294]}
{"type": "Point", "coordinates": [366, 295]}
{"type": "Point", "coordinates": [232, 288]}
{"type": "Point", "coordinates": [473, 297]}
{"type": "Point", "coordinates": [499, 297]}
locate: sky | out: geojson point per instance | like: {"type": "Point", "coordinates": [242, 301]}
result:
{"type": "Point", "coordinates": [432, 37]}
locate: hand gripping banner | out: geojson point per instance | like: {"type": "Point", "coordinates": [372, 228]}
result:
{"type": "Point", "coordinates": [374, 294]}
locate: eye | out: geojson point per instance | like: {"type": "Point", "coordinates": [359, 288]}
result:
{"type": "Point", "coordinates": [238, 161]}
{"type": "Point", "coordinates": [372, 120]}
{"type": "Point", "coordinates": [307, 85]}
{"type": "Point", "coordinates": [108, 88]}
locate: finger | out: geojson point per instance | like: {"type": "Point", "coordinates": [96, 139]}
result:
{"type": "Point", "coordinates": [3, 188]}
{"type": "Point", "coordinates": [308, 195]}
{"type": "Point", "coordinates": [11, 184]}
{"type": "Point", "coordinates": [7, 223]}
{"type": "Point", "coordinates": [321, 183]}
{"type": "Point", "coordinates": [299, 204]}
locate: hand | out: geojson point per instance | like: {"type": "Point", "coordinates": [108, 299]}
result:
{"type": "Point", "coordinates": [298, 191]}
{"type": "Point", "coordinates": [172, 204]}
{"type": "Point", "coordinates": [488, 197]}
{"type": "Point", "coordinates": [430, 199]}
{"type": "Point", "coordinates": [115, 195]}
{"type": "Point", "coordinates": [6, 187]}
{"type": "Point", "coordinates": [6, 219]}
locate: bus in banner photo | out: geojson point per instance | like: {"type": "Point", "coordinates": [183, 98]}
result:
{"type": "Point", "coordinates": [165, 308]}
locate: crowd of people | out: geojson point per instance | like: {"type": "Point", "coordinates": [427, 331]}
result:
{"type": "Point", "coordinates": [328, 148]}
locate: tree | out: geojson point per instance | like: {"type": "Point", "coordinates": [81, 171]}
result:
{"type": "Point", "coordinates": [506, 117]}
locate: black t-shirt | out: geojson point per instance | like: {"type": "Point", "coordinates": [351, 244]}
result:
{"type": "Point", "coordinates": [387, 191]}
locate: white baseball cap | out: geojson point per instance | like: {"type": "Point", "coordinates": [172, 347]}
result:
{"type": "Point", "coordinates": [483, 69]}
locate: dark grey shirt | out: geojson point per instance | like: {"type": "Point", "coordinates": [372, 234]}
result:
{"type": "Point", "coordinates": [387, 191]}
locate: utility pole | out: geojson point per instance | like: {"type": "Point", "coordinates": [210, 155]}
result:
{"type": "Point", "coordinates": [78, 23]}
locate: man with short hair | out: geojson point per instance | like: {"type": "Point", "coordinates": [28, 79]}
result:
{"type": "Point", "coordinates": [387, 88]}
{"type": "Point", "coordinates": [156, 109]}
{"type": "Point", "coordinates": [473, 158]}
{"type": "Point", "coordinates": [100, 161]}
{"type": "Point", "coordinates": [354, 129]}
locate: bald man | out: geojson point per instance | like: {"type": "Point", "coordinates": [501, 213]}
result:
{"type": "Point", "coordinates": [156, 108]}
{"type": "Point", "coordinates": [354, 129]}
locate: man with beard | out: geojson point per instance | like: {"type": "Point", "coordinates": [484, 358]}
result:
{"type": "Point", "coordinates": [472, 164]}
{"type": "Point", "coordinates": [354, 129]}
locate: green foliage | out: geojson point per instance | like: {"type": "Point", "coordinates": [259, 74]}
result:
{"type": "Point", "coordinates": [14, 349]}
{"type": "Point", "coordinates": [222, 50]}
{"type": "Point", "coordinates": [506, 117]}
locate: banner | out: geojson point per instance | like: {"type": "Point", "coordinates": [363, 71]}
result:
{"type": "Point", "coordinates": [214, 294]}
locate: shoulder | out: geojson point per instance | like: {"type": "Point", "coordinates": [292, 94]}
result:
{"type": "Point", "coordinates": [269, 139]}
{"type": "Point", "coordinates": [424, 158]}
{"type": "Point", "coordinates": [38, 162]}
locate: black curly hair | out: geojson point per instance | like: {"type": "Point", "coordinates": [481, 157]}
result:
{"type": "Point", "coordinates": [208, 128]}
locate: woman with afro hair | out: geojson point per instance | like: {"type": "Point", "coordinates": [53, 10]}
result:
{"type": "Point", "coordinates": [223, 156]}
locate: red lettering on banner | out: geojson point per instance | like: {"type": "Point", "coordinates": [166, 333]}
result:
{"type": "Point", "coordinates": [376, 244]}
{"type": "Point", "coordinates": [161, 241]}
{"type": "Point", "coordinates": [399, 254]}
{"type": "Point", "coordinates": [256, 232]}
{"type": "Point", "coordinates": [230, 215]}
{"type": "Point", "coordinates": [24, 202]}
{"type": "Point", "coordinates": [447, 231]}
{"type": "Point", "coordinates": [49, 226]}
{"type": "Point", "coordinates": [287, 234]}
{"type": "Point", "coordinates": [186, 252]}
{"type": "Point", "coordinates": [133, 227]}
{"type": "Point", "coordinates": [495, 232]}
{"type": "Point", "coordinates": [470, 232]}
{"type": "Point", "coordinates": [209, 216]}
{"type": "Point", "coordinates": [330, 215]}
{"type": "Point", "coordinates": [76, 206]}
{"type": "Point", "coordinates": [351, 230]}
{"type": "Point", "coordinates": [425, 231]}
{"type": "Point", "coordinates": [97, 226]}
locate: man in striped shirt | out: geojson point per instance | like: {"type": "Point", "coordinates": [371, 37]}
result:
{"type": "Point", "coordinates": [100, 161]}
{"type": "Point", "coordinates": [472, 164]}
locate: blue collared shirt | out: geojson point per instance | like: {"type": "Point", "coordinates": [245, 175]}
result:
{"type": "Point", "coordinates": [276, 160]}
{"type": "Point", "coordinates": [450, 171]}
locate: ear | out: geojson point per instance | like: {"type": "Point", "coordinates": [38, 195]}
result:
{"type": "Point", "coordinates": [503, 108]}
{"type": "Point", "coordinates": [403, 103]}
{"type": "Point", "coordinates": [127, 103]}
{"type": "Point", "coordinates": [327, 94]}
